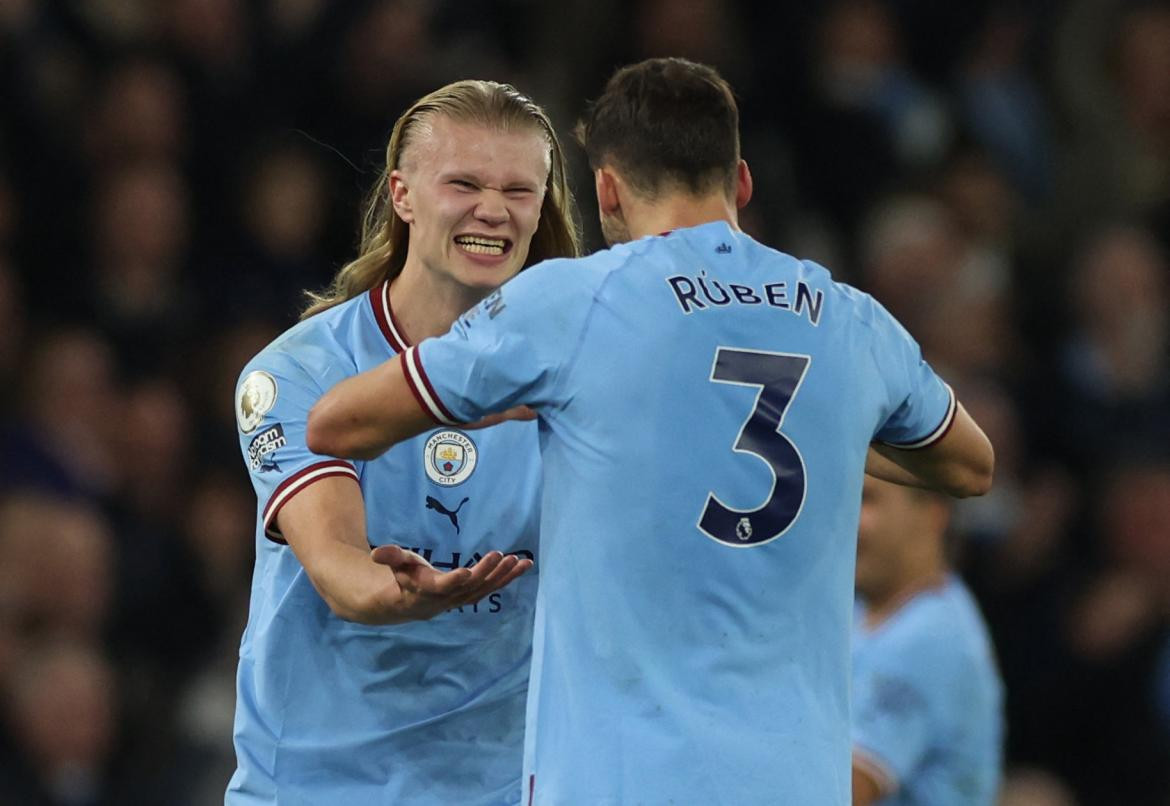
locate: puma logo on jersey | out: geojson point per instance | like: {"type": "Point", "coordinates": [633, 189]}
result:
{"type": "Point", "coordinates": [437, 506]}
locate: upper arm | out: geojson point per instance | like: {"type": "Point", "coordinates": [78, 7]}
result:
{"type": "Point", "coordinates": [960, 462]}
{"type": "Point", "coordinates": [926, 431]}
{"type": "Point", "coordinates": [507, 350]}
{"type": "Point", "coordinates": [362, 416]}
{"type": "Point", "coordinates": [510, 350]}
{"type": "Point", "coordinates": [272, 404]}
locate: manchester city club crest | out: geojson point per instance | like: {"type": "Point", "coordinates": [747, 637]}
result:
{"type": "Point", "coordinates": [449, 458]}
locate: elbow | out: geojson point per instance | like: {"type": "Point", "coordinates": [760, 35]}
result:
{"type": "Point", "coordinates": [977, 479]}
{"type": "Point", "coordinates": [972, 485]}
{"type": "Point", "coordinates": [319, 437]}
{"type": "Point", "coordinates": [325, 436]}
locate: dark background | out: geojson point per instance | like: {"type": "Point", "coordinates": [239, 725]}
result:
{"type": "Point", "coordinates": [174, 173]}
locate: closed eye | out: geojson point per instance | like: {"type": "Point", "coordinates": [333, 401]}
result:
{"type": "Point", "coordinates": [463, 184]}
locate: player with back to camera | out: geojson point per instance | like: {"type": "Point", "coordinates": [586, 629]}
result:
{"type": "Point", "coordinates": [346, 693]}
{"type": "Point", "coordinates": [706, 406]}
{"type": "Point", "coordinates": [927, 697]}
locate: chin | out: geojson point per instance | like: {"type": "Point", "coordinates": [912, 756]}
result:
{"type": "Point", "coordinates": [488, 279]}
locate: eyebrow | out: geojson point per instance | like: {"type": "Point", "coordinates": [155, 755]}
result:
{"type": "Point", "coordinates": [471, 176]}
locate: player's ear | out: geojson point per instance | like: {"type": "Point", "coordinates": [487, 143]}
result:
{"type": "Point", "coordinates": [743, 185]}
{"type": "Point", "coordinates": [609, 200]}
{"type": "Point", "coordinates": [400, 196]}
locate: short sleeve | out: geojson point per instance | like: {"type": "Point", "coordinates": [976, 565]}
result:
{"type": "Point", "coordinates": [891, 725]}
{"type": "Point", "coordinates": [509, 350]}
{"type": "Point", "coordinates": [273, 398]}
{"type": "Point", "coordinates": [922, 405]}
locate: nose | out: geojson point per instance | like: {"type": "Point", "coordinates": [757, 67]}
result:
{"type": "Point", "coordinates": [491, 208]}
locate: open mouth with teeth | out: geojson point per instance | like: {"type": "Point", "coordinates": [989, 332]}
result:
{"type": "Point", "coordinates": [483, 245]}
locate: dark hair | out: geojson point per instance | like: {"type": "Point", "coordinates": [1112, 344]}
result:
{"type": "Point", "coordinates": [665, 123]}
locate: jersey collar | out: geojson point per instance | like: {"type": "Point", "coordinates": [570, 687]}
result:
{"type": "Point", "coordinates": [379, 297]}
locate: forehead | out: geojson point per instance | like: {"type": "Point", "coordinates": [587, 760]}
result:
{"type": "Point", "coordinates": [490, 153]}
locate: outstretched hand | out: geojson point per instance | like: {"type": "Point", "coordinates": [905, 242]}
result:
{"type": "Point", "coordinates": [426, 591]}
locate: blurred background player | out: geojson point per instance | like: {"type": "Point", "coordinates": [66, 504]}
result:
{"type": "Point", "coordinates": [343, 696]}
{"type": "Point", "coordinates": [706, 408]}
{"type": "Point", "coordinates": [927, 698]}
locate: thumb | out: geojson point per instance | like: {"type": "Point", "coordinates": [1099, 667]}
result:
{"type": "Point", "coordinates": [397, 557]}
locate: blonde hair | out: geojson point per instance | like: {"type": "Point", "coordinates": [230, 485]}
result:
{"type": "Point", "coordinates": [385, 236]}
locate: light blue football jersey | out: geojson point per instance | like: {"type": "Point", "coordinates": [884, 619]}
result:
{"type": "Point", "coordinates": [705, 405]}
{"type": "Point", "coordinates": [928, 702]}
{"type": "Point", "coordinates": [333, 712]}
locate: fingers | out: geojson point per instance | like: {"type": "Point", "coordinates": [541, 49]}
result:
{"type": "Point", "coordinates": [503, 572]}
{"type": "Point", "coordinates": [514, 413]}
{"type": "Point", "coordinates": [508, 569]}
{"type": "Point", "coordinates": [520, 413]}
{"type": "Point", "coordinates": [482, 571]}
{"type": "Point", "coordinates": [520, 569]}
{"type": "Point", "coordinates": [433, 590]}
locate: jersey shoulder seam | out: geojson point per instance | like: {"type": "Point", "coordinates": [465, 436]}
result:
{"type": "Point", "coordinates": [565, 368]}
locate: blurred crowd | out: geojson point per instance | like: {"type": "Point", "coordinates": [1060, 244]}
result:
{"type": "Point", "coordinates": [174, 172]}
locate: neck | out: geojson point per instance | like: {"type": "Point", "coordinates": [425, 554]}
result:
{"type": "Point", "coordinates": [678, 211]}
{"type": "Point", "coordinates": [426, 305]}
{"type": "Point", "coordinates": [883, 604]}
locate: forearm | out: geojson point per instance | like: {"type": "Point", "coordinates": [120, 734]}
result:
{"type": "Point", "coordinates": [880, 467]}
{"type": "Point", "coordinates": [363, 416]}
{"type": "Point", "coordinates": [354, 586]}
{"type": "Point", "coordinates": [324, 526]}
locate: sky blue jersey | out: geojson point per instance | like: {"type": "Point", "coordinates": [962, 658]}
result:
{"type": "Point", "coordinates": [329, 711]}
{"type": "Point", "coordinates": [928, 702]}
{"type": "Point", "coordinates": [705, 408]}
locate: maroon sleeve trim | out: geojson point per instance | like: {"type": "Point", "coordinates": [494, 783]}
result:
{"type": "Point", "coordinates": [294, 484]}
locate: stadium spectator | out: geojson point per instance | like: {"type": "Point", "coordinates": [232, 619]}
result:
{"type": "Point", "coordinates": [62, 714]}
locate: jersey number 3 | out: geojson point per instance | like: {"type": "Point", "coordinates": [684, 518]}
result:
{"type": "Point", "coordinates": [778, 377]}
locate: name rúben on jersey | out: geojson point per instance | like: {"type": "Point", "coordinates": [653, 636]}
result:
{"type": "Point", "coordinates": [700, 292]}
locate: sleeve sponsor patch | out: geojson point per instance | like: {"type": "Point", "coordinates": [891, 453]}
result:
{"type": "Point", "coordinates": [262, 446]}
